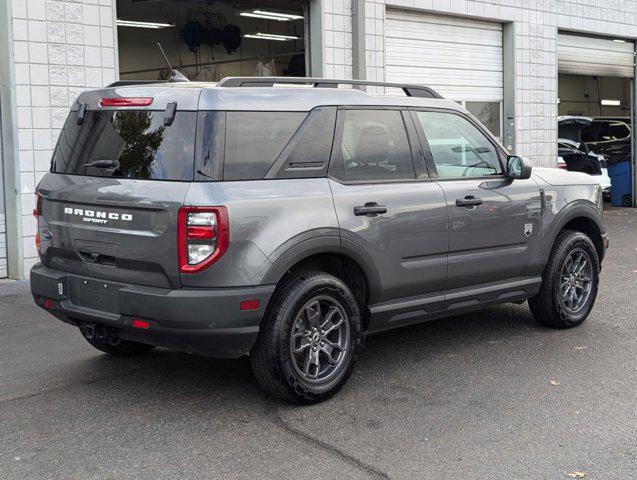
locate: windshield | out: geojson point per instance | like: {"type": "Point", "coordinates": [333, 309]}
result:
{"type": "Point", "coordinates": [127, 144]}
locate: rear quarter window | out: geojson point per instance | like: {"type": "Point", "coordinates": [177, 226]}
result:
{"type": "Point", "coordinates": [254, 140]}
{"type": "Point", "coordinates": [137, 143]}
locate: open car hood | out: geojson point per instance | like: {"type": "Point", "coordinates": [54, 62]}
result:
{"type": "Point", "coordinates": [570, 127]}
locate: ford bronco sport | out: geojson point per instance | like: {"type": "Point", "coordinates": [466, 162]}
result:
{"type": "Point", "coordinates": [256, 217]}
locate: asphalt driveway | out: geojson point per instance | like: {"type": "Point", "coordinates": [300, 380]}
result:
{"type": "Point", "coordinates": [489, 395]}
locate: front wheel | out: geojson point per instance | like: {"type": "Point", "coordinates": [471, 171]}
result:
{"type": "Point", "coordinates": [569, 282]}
{"type": "Point", "coordinates": [309, 339]}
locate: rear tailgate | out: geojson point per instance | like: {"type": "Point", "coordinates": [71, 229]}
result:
{"type": "Point", "coordinates": [123, 230]}
{"type": "Point", "coordinates": [109, 208]}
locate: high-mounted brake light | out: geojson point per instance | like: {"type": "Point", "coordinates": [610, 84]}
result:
{"type": "Point", "coordinates": [126, 102]}
{"type": "Point", "coordinates": [202, 237]}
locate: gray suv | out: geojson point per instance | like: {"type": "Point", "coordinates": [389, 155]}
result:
{"type": "Point", "coordinates": [257, 217]}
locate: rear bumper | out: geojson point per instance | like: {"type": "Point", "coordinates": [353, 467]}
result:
{"type": "Point", "coordinates": [208, 322]}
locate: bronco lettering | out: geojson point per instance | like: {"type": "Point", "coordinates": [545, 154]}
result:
{"type": "Point", "coordinates": [96, 216]}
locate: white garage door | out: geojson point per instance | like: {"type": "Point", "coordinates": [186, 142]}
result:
{"type": "Point", "coordinates": [459, 57]}
{"type": "Point", "coordinates": [580, 55]}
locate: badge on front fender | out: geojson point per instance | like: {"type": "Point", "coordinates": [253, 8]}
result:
{"type": "Point", "coordinates": [528, 229]}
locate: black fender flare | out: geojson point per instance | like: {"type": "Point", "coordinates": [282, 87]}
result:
{"type": "Point", "coordinates": [577, 209]}
{"type": "Point", "coordinates": [286, 258]}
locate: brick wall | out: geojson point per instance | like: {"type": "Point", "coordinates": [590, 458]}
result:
{"type": "Point", "coordinates": [60, 48]}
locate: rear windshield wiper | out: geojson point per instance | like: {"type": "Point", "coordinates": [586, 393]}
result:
{"type": "Point", "coordinates": [103, 164]}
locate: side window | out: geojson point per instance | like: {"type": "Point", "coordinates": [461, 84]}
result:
{"type": "Point", "coordinates": [307, 155]}
{"type": "Point", "coordinates": [458, 148]}
{"type": "Point", "coordinates": [620, 130]}
{"type": "Point", "coordinates": [374, 147]}
{"type": "Point", "coordinates": [254, 140]}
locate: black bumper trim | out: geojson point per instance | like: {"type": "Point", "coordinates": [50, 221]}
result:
{"type": "Point", "coordinates": [208, 322]}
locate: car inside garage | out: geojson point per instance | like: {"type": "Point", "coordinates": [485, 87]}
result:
{"type": "Point", "coordinates": [595, 106]}
{"type": "Point", "coordinates": [207, 40]}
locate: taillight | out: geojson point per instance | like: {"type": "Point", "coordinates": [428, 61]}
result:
{"type": "Point", "coordinates": [126, 102]}
{"type": "Point", "coordinates": [563, 166]}
{"type": "Point", "coordinates": [37, 211]}
{"type": "Point", "coordinates": [202, 238]}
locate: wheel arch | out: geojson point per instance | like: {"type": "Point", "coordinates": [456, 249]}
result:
{"type": "Point", "coordinates": [579, 217]}
{"type": "Point", "coordinates": [342, 258]}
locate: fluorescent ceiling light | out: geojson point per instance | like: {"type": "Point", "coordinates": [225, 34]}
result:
{"type": "Point", "coordinates": [136, 24]}
{"type": "Point", "coordinates": [619, 40]}
{"type": "Point", "coordinates": [611, 103]}
{"type": "Point", "coordinates": [271, 36]}
{"type": "Point", "coordinates": [266, 17]}
{"type": "Point", "coordinates": [266, 14]}
{"type": "Point", "coordinates": [289, 16]}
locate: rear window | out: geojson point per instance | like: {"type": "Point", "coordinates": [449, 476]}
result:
{"type": "Point", "coordinates": [127, 144]}
{"type": "Point", "coordinates": [605, 131]}
{"type": "Point", "coordinates": [254, 140]}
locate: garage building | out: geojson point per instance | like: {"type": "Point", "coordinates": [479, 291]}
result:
{"type": "Point", "coordinates": [516, 66]}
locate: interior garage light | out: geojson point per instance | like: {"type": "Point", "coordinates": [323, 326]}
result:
{"type": "Point", "coordinates": [619, 40]}
{"type": "Point", "coordinates": [271, 36]}
{"type": "Point", "coordinates": [266, 17]}
{"type": "Point", "coordinates": [611, 103]}
{"type": "Point", "coordinates": [281, 15]}
{"type": "Point", "coordinates": [265, 14]}
{"type": "Point", "coordinates": [136, 24]}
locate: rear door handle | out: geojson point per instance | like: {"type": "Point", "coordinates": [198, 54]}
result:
{"type": "Point", "coordinates": [371, 209]}
{"type": "Point", "coordinates": [468, 201]}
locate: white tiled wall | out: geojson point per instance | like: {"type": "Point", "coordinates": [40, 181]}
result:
{"type": "Point", "coordinates": [536, 25]}
{"type": "Point", "coordinates": [60, 48]}
{"type": "Point", "coordinates": [3, 245]}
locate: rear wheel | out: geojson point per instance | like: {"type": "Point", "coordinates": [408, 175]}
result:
{"type": "Point", "coordinates": [569, 282]}
{"type": "Point", "coordinates": [309, 340]}
{"type": "Point", "coordinates": [107, 341]}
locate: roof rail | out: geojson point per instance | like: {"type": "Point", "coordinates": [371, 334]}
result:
{"type": "Point", "coordinates": [410, 90]}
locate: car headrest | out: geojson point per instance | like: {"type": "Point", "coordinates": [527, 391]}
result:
{"type": "Point", "coordinates": [373, 145]}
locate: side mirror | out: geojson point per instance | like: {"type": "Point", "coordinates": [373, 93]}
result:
{"type": "Point", "coordinates": [518, 168]}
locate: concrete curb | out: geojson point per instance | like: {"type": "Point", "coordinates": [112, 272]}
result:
{"type": "Point", "coordinates": [14, 287]}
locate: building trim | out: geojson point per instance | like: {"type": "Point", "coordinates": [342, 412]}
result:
{"type": "Point", "coordinates": [358, 40]}
{"type": "Point", "coordinates": [317, 38]}
{"type": "Point", "coordinates": [9, 132]}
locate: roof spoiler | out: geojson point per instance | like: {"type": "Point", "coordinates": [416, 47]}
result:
{"type": "Point", "coordinates": [409, 90]}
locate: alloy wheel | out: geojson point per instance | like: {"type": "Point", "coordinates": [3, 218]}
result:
{"type": "Point", "coordinates": [576, 281]}
{"type": "Point", "coordinates": [320, 339]}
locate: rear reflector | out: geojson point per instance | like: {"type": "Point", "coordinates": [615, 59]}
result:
{"type": "Point", "coordinates": [139, 323]}
{"type": "Point", "coordinates": [126, 102]}
{"type": "Point", "coordinates": [249, 305]}
{"type": "Point", "coordinates": [48, 303]}
{"type": "Point", "coordinates": [36, 213]}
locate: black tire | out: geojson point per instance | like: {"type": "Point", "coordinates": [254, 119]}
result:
{"type": "Point", "coordinates": [277, 367]}
{"type": "Point", "coordinates": [116, 347]}
{"type": "Point", "coordinates": [548, 306]}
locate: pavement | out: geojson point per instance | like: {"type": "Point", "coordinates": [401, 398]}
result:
{"type": "Point", "coordinates": [488, 395]}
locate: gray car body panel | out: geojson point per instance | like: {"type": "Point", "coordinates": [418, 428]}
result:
{"type": "Point", "coordinates": [267, 219]}
{"type": "Point", "coordinates": [425, 258]}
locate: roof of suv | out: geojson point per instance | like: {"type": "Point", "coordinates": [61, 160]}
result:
{"type": "Point", "coordinates": [209, 96]}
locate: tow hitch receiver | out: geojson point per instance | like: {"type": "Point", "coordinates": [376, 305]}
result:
{"type": "Point", "coordinates": [100, 332]}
